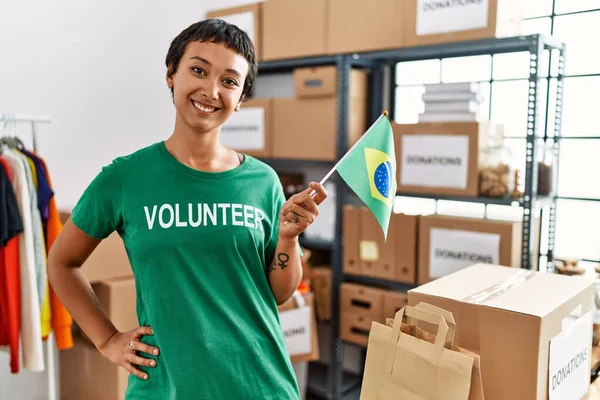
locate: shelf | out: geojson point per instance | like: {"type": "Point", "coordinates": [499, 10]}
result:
{"type": "Point", "coordinates": [290, 64]}
{"type": "Point", "coordinates": [459, 49]}
{"type": "Point", "coordinates": [316, 244]}
{"type": "Point", "coordinates": [317, 381]}
{"type": "Point", "coordinates": [294, 164]}
{"type": "Point", "coordinates": [384, 283]}
{"type": "Point", "coordinates": [542, 200]}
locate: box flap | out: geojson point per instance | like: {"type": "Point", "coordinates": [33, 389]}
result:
{"type": "Point", "coordinates": [511, 289]}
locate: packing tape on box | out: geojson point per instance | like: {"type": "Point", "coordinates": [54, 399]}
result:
{"type": "Point", "coordinates": [499, 289]}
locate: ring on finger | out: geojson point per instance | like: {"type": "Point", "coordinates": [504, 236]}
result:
{"type": "Point", "coordinates": [130, 344]}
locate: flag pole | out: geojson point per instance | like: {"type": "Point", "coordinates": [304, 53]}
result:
{"type": "Point", "coordinates": [383, 114]}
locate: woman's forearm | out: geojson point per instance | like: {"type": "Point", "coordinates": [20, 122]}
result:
{"type": "Point", "coordinates": [78, 297]}
{"type": "Point", "coordinates": [285, 272]}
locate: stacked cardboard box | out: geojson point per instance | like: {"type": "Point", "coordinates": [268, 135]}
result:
{"type": "Point", "coordinates": [533, 331]}
{"type": "Point", "coordinates": [284, 29]}
{"type": "Point", "coordinates": [452, 102]}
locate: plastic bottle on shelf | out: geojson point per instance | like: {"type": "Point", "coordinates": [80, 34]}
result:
{"type": "Point", "coordinates": [545, 170]}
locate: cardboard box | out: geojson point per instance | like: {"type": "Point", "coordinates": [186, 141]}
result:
{"type": "Point", "coordinates": [350, 239]}
{"type": "Point", "coordinates": [532, 330]}
{"type": "Point", "coordinates": [447, 244]}
{"type": "Point", "coordinates": [250, 130]}
{"type": "Point", "coordinates": [86, 374]}
{"type": "Point", "coordinates": [321, 283]}
{"type": "Point", "coordinates": [355, 26]}
{"type": "Point", "coordinates": [315, 122]}
{"type": "Point", "coordinates": [108, 261]}
{"type": "Point", "coordinates": [405, 231]}
{"type": "Point", "coordinates": [355, 328]}
{"type": "Point", "coordinates": [317, 82]}
{"type": "Point", "coordinates": [294, 28]}
{"type": "Point", "coordinates": [377, 257]}
{"type": "Point", "coordinates": [432, 22]}
{"type": "Point", "coordinates": [392, 303]}
{"type": "Point", "coordinates": [248, 18]}
{"type": "Point", "coordinates": [361, 300]}
{"type": "Point", "coordinates": [117, 298]}
{"type": "Point", "coordinates": [440, 158]}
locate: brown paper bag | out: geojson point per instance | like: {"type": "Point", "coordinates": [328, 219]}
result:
{"type": "Point", "coordinates": [405, 362]}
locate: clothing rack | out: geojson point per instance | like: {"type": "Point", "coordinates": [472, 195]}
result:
{"type": "Point", "coordinates": [7, 119]}
{"type": "Point", "coordinates": [27, 119]}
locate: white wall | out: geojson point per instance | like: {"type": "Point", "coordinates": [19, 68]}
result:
{"type": "Point", "coordinates": [97, 67]}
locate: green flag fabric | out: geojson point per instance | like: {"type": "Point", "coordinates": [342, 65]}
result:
{"type": "Point", "coordinates": [369, 169]}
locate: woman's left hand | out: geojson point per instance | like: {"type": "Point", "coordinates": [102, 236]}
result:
{"type": "Point", "coordinates": [300, 211]}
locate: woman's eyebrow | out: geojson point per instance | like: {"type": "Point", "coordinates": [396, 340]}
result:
{"type": "Point", "coordinates": [205, 61]}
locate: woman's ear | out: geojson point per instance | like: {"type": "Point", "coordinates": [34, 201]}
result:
{"type": "Point", "coordinates": [239, 104]}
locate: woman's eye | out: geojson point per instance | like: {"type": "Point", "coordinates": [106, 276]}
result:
{"type": "Point", "coordinates": [198, 70]}
{"type": "Point", "coordinates": [230, 82]}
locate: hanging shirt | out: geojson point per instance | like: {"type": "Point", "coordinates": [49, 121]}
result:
{"type": "Point", "coordinates": [39, 246]}
{"type": "Point", "coordinates": [10, 282]}
{"type": "Point", "coordinates": [31, 330]}
{"type": "Point", "coordinates": [199, 244]}
{"type": "Point", "coordinates": [61, 320]}
{"type": "Point", "coordinates": [44, 191]}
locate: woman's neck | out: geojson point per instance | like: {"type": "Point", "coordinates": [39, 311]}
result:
{"type": "Point", "coordinates": [199, 150]}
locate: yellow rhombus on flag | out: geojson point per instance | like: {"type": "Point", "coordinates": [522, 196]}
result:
{"type": "Point", "coordinates": [369, 168]}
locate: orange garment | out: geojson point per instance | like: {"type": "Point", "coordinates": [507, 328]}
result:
{"type": "Point", "coordinates": [60, 318]}
{"type": "Point", "coordinates": [10, 270]}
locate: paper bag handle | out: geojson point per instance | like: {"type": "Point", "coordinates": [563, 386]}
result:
{"type": "Point", "coordinates": [448, 317]}
{"type": "Point", "coordinates": [421, 315]}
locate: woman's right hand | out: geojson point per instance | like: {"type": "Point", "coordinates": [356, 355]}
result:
{"type": "Point", "coordinates": [121, 350]}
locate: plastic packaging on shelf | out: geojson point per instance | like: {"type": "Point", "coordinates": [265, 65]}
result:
{"type": "Point", "coordinates": [496, 176]}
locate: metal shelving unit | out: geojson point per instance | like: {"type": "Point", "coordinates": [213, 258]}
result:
{"type": "Point", "coordinates": [381, 64]}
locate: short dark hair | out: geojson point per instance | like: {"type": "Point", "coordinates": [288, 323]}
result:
{"type": "Point", "coordinates": [216, 31]}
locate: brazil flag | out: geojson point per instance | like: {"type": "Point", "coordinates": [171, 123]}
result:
{"type": "Point", "coordinates": [369, 168]}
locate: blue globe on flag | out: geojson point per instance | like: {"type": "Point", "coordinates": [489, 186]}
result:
{"type": "Point", "coordinates": [382, 178]}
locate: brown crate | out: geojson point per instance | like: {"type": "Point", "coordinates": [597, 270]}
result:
{"type": "Point", "coordinates": [351, 234]}
{"type": "Point", "coordinates": [510, 238]}
{"type": "Point", "coordinates": [233, 13]}
{"type": "Point", "coordinates": [356, 26]}
{"type": "Point", "coordinates": [355, 328]}
{"type": "Point", "coordinates": [392, 303]}
{"type": "Point", "coordinates": [504, 18]}
{"type": "Point", "coordinates": [293, 28]}
{"type": "Point", "coordinates": [361, 300]}
{"type": "Point", "coordinates": [477, 134]}
{"type": "Point", "coordinates": [317, 82]}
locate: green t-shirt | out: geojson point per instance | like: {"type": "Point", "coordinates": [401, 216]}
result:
{"type": "Point", "coordinates": [199, 244]}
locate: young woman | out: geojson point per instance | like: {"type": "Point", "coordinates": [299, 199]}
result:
{"type": "Point", "coordinates": [212, 242]}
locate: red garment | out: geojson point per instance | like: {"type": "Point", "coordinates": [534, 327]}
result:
{"type": "Point", "coordinates": [10, 295]}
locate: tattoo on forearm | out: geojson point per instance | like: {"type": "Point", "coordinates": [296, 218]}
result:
{"type": "Point", "coordinates": [295, 218]}
{"type": "Point", "coordinates": [93, 294]}
{"type": "Point", "coordinates": [282, 259]}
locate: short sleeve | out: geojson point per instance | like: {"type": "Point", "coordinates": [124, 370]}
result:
{"type": "Point", "coordinates": [278, 201]}
{"type": "Point", "coordinates": [98, 211]}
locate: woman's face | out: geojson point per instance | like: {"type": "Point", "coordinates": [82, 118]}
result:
{"type": "Point", "coordinates": [208, 85]}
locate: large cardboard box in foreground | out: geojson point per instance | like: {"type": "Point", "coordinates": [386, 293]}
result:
{"type": "Point", "coordinates": [532, 330]}
{"type": "Point", "coordinates": [109, 260]}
